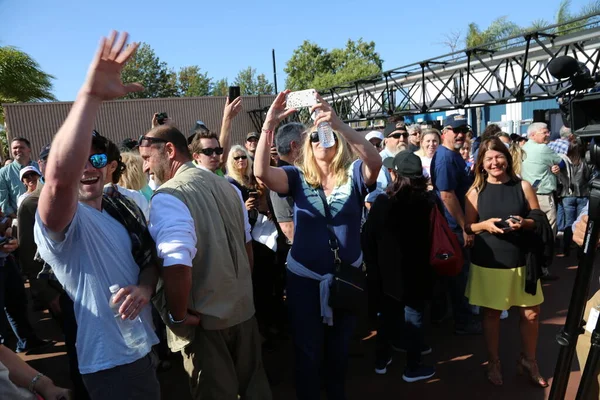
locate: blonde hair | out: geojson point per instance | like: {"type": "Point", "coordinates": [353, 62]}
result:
{"type": "Point", "coordinates": [518, 156]}
{"type": "Point", "coordinates": [244, 178]}
{"type": "Point", "coordinates": [425, 132]}
{"type": "Point", "coordinates": [133, 177]}
{"type": "Point", "coordinates": [341, 161]}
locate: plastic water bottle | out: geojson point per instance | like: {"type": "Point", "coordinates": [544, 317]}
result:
{"type": "Point", "coordinates": [132, 330]}
{"type": "Point", "coordinates": [325, 134]}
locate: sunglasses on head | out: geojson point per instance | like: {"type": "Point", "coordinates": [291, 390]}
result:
{"type": "Point", "coordinates": [98, 160]}
{"type": "Point", "coordinates": [212, 150]}
{"type": "Point", "coordinates": [147, 141]}
{"type": "Point", "coordinates": [314, 137]}
{"type": "Point", "coordinates": [237, 158]}
{"type": "Point", "coordinates": [398, 135]}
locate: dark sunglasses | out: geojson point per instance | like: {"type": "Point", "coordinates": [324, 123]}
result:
{"type": "Point", "coordinates": [458, 130]}
{"type": "Point", "coordinates": [147, 141]}
{"type": "Point", "coordinates": [314, 137]}
{"type": "Point", "coordinates": [236, 158]}
{"type": "Point", "coordinates": [30, 176]}
{"type": "Point", "coordinates": [209, 151]}
{"type": "Point", "coordinates": [98, 160]}
{"type": "Point", "coordinates": [397, 135]}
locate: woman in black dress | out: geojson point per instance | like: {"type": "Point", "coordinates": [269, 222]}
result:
{"type": "Point", "coordinates": [496, 209]}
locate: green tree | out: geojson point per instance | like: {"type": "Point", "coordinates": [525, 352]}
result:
{"type": "Point", "coordinates": [312, 66]}
{"type": "Point", "coordinates": [499, 29]}
{"type": "Point", "coordinates": [220, 88]}
{"type": "Point", "coordinates": [250, 84]}
{"type": "Point", "coordinates": [192, 82]}
{"type": "Point", "coordinates": [146, 68]}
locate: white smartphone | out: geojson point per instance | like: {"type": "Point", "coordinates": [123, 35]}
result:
{"type": "Point", "coordinates": [301, 98]}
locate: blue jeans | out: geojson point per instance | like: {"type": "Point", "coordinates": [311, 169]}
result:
{"type": "Point", "coordinates": [315, 341]}
{"type": "Point", "coordinates": [573, 207]}
{"type": "Point", "coordinates": [13, 300]}
{"type": "Point", "coordinates": [413, 334]}
{"type": "Point", "coordinates": [560, 217]}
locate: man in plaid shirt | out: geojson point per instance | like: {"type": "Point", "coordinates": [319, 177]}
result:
{"type": "Point", "coordinates": [561, 146]}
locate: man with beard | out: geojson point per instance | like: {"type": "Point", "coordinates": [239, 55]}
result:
{"type": "Point", "coordinates": [451, 180]}
{"type": "Point", "coordinates": [11, 186]}
{"type": "Point", "coordinates": [89, 249]}
{"type": "Point", "coordinates": [396, 139]}
{"type": "Point", "coordinates": [206, 299]}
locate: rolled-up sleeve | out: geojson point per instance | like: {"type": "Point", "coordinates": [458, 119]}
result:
{"type": "Point", "coordinates": [172, 228]}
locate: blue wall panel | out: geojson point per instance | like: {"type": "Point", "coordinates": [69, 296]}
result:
{"type": "Point", "coordinates": [529, 106]}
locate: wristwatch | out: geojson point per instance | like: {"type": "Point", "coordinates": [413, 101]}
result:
{"type": "Point", "coordinates": [175, 322]}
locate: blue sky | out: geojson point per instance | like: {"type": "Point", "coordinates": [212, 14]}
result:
{"type": "Point", "coordinates": [223, 37]}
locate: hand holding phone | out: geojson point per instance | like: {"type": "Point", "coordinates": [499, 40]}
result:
{"type": "Point", "coordinates": [234, 93]}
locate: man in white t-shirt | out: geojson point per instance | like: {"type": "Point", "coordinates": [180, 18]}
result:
{"type": "Point", "coordinates": [88, 249]}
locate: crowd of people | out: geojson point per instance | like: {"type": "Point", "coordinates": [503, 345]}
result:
{"type": "Point", "coordinates": [220, 249]}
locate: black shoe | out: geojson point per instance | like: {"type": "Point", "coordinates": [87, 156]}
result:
{"type": "Point", "coordinates": [381, 365]}
{"type": "Point", "coordinates": [35, 344]}
{"type": "Point", "coordinates": [418, 374]}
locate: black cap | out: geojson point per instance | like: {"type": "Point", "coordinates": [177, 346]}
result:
{"type": "Point", "coordinates": [252, 135]}
{"type": "Point", "coordinates": [455, 121]}
{"type": "Point", "coordinates": [44, 152]}
{"type": "Point", "coordinates": [393, 127]}
{"type": "Point", "coordinates": [405, 163]}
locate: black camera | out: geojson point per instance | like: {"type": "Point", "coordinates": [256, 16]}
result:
{"type": "Point", "coordinates": [160, 118]}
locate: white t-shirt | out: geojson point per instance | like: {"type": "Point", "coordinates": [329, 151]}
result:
{"type": "Point", "coordinates": [94, 254]}
{"type": "Point", "coordinates": [426, 163]}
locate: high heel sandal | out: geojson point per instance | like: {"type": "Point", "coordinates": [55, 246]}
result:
{"type": "Point", "coordinates": [494, 372]}
{"type": "Point", "coordinates": [530, 368]}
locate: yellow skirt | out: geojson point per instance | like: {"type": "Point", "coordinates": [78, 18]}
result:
{"type": "Point", "coordinates": [500, 289]}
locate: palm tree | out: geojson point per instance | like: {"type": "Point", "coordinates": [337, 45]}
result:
{"type": "Point", "coordinates": [499, 29]}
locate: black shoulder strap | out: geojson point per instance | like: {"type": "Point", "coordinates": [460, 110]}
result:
{"type": "Point", "coordinates": [333, 242]}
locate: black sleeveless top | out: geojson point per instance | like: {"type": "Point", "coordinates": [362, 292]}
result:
{"type": "Point", "coordinates": [504, 250]}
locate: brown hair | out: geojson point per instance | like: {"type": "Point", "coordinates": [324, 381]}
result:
{"type": "Point", "coordinates": [196, 146]}
{"type": "Point", "coordinates": [493, 143]}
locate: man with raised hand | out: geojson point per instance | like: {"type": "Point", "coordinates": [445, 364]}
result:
{"type": "Point", "coordinates": [89, 250]}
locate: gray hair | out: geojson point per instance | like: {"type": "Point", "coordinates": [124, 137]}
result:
{"type": "Point", "coordinates": [565, 132]}
{"type": "Point", "coordinates": [535, 127]}
{"type": "Point", "coordinates": [413, 128]}
{"type": "Point", "coordinates": [287, 134]}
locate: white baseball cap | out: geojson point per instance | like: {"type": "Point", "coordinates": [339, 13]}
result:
{"type": "Point", "coordinates": [29, 168]}
{"type": "Point", "coordinates": [374, 135]}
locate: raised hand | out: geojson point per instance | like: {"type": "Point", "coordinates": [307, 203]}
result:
{"type": "Point", "coordinates": [277, 112]}
{"type": "Point", "coordinates": [103, 80]}
{"type": "Point", "coordinates": [232, 108]}
{"type": "Point", "coordinates": [325, 113]}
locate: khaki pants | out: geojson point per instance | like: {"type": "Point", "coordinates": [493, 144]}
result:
{"type": "Point", "coordinates": [548, 206]}
{"type": "Point", "coordinates": [223, 364]}
{"type": "Point", "coordinates": [584, 344]}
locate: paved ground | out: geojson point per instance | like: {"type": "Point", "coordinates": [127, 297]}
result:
{"type": "Point", "coordinates": [458, 359]}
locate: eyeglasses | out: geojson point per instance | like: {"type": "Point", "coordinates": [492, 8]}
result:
{"type": "Point", "coordinates": [397, 135]}
{"type": "Point", "coordinates": [237, 158]}
{"type": "Point", "coordinates": [252, 139]}
{"type": "Point", "coordinates": [457, 130]}
{"type": "Point", "coordinates": [30, 176]}
{"type": "Point", "coordinates": [98, 160]}
{"type": "Point", "coordinates": [147, 141]}
{"type": "Point", "coordinates": [212, 150]}
{"type": "Point", "coordinates": [314, 137]}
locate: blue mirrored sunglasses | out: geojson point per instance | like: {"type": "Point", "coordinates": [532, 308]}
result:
{"type": "Point", "coordinates": [98, 160]}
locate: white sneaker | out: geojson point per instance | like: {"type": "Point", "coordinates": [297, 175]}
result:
{"type": "Point", "coordinates": [504, 314]}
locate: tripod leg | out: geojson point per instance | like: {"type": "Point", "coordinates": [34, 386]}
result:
{"type": "Point", "coordinates": [567, 337]}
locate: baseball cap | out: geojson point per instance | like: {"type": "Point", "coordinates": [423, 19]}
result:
{"type": "Point", "coordinates": [395, 126]}
{"type": "Point", "coordinates": [29, 168]}
{"type": "Point", "coordinates": [252, 135]}
{"type": "Point", "coordinates": [455, 121]}
{"type": "Point", "coordinates": [374, 135]}
{"type": "Point", "coordinates": [405, 163]}
{"type": "Point", "coordinates": [44, 152]}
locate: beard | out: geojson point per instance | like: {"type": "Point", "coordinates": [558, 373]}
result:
{"type": "Point", "coordinates": [400, 147]}
{"type": "Point", "coordinates": [161, 171]}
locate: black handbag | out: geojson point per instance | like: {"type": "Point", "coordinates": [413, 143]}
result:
{"type": "Point", "coordinates": [349, 282]}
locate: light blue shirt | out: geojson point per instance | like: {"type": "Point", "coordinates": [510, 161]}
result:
{"type": "Point", "coordinates": [94, 254]}
{"type": "Point", "coordinates": [11, 186]}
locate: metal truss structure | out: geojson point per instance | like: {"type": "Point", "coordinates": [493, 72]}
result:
{"type": "Point", "coordinates": [511, 70]}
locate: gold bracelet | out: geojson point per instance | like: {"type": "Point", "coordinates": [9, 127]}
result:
{"type": "Point", "coordinates": [34, 381]}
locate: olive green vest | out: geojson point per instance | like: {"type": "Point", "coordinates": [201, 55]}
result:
{"type": "Point", "coordinates": [221, 277]}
